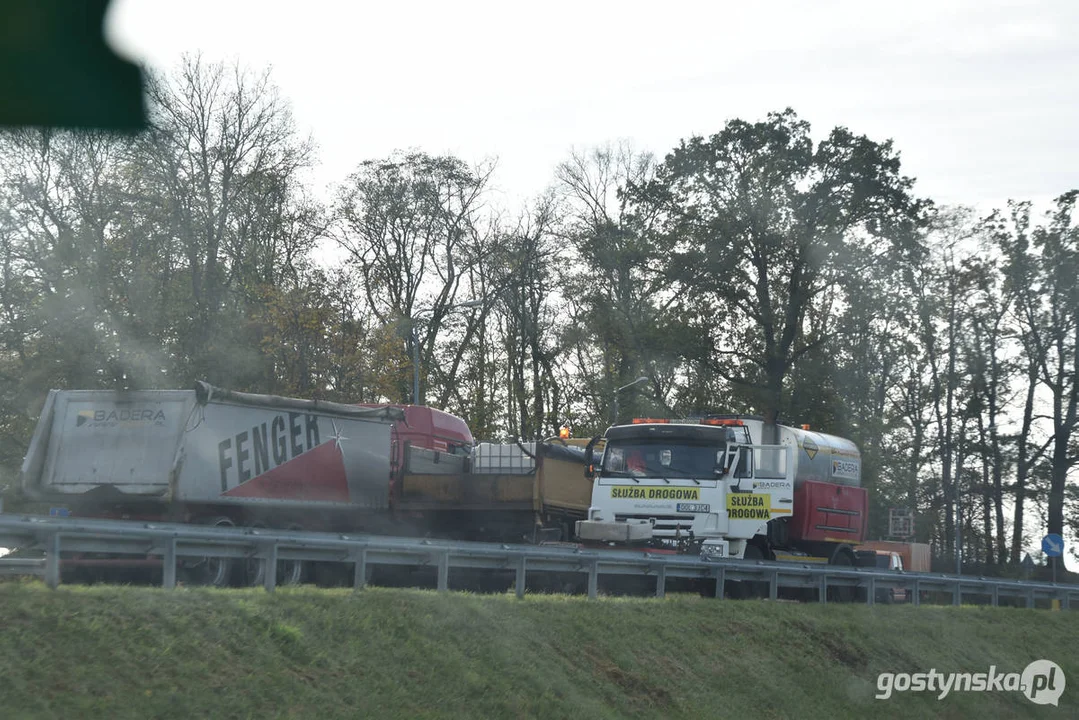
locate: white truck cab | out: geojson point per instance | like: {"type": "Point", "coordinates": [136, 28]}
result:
{"type": "Point", "coordinates": [686, 485]}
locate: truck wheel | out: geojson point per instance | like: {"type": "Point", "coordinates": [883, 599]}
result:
{"type": "Point", "coordinates": [744, 589]}
{"type": "Point", "coordinates": [211, 571]}
{"type": "Point", "coordinates": [289, 572]}
{"type": "Point", "coordinates": [842, 594]}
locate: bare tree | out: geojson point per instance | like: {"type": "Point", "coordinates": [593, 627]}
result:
{"type": "Point", "coordinates": [1042, 264]}
{"type": "Point", "coordinates": [620, 302]}
{"type": "Point", "coordinates": [405, 223]}
{"type": "Point", "coordinates": [525, 270]}
{"type": "Point", "coordinates": [220, 136]}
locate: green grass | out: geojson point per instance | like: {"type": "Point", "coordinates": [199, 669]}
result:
{"type": "Point", "coordinates": [123, 652]}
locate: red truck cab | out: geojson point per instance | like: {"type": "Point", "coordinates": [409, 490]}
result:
{"type": "Point", "coordinates": [427, 428]}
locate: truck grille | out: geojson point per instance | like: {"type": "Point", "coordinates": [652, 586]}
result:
{"type": "Point", "coordinates": [664, 525]}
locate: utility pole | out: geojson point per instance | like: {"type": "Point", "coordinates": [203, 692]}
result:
{"type": "Point", "coordinates": [958, 528]}
{"type": "Point", "coordinates": [638, 381]}
{"type": "Point", "coordinates": [416, 341]}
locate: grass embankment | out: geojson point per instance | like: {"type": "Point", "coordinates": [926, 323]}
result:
{"type": "Point", "coordinates": [142, 652]}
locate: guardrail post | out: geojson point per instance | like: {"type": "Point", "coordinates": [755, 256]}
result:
{"type": "Point", "coordinates": [359, 573]}
{"type": "Point", "coordinates": [957, 593]}
{"type": "Point", "coordinates": [721, 582]}
{"type": "Point", "coordinates": [52, 562]}
{"type": "Point", "coordinates": [916, 593]}
{"type": "Point", "coordinates": [168, 574]}
{"type": "Point", "coordinates": [996, 595]}
{"type": "Point", "coordinates": [1065, 600]}
{"type": "Point", "coordinates": [661, 581]}
{"type": "Point", "coordinates": [593, 580]}
{"type": "Point", "coordinates": [822, 592]}
{"type": "Point", "coordinates": [871, 591]}
{"type": "Point", "coordinates": [269, 568]}
{"type": "Point", "coordinates": [773, 585]}
{"type": "Point", "coordinates": [443, 571]}
{"type": "Point", "coordinates": [1030, 599]}
{"type": "Point", "coordinates": [520, 579]}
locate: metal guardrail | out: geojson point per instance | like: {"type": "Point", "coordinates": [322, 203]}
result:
{"type": "Point", "coordinates": [21, 566]}
{"type": "Point", "coordinates": [171, 542]}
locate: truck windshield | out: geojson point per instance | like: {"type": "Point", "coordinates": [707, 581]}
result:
{"type": "Point", "coordinates": [662, 458]}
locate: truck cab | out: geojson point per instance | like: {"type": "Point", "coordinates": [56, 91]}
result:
{"type": "Point", "coordinates": [686, 485]}
{"type": "Point", "coordinates": [709, 485]}
{"type": "Point", "coordinates": [426, 429]}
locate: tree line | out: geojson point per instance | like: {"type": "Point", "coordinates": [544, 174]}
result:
{"type": "Point", "coordinates": [761, 269]}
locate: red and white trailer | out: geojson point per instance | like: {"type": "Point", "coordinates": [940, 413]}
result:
{"type": "Point", "coordinates": [189, 454]}
{"type": "Point", "coordinates": [214, 456]}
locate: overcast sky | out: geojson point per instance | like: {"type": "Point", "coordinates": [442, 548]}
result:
{"type": "Point", "coordinates": [980, 97]}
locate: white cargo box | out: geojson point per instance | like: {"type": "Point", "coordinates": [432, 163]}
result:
{"type": "Point", "coordinates": [508, 458]}
{"type": "Point", "coordinates": [208, 445]}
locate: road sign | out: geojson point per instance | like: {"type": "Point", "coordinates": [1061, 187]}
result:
{"type": "Point", "coordinates": [1053, 545]}
{"type": "Point", "coordinates": [900, 522]}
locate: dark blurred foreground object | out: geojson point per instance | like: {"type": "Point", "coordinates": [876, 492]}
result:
{"type": "Point", "coordinates": [57, 71]}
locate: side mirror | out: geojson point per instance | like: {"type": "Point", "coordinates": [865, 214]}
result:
{"type": "Point", "coordinates": [589, 458]}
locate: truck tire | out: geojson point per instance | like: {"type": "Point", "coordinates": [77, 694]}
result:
{"type": "Point", "coordinates": [211, 571]}
{"type": "Point", "coordinates": [842, 558]}
{"type": "Point", "coordinates": [744, 589]}
{"type": "Point", "coordinates": [289, 572]}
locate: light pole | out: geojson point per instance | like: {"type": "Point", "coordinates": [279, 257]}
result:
{"type": "Point", "coordinates": [638, 381]}
{"type": "Point", "coordinates": [958, 528]}
{"type": "Point", "coordinates": [416, 342]}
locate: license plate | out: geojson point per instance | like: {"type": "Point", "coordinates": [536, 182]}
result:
{"type": "Point", "coordinates": [694, 507]}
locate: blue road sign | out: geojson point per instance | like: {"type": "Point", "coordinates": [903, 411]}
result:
{"type": "Point", "coordinates": [1053, 545]}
